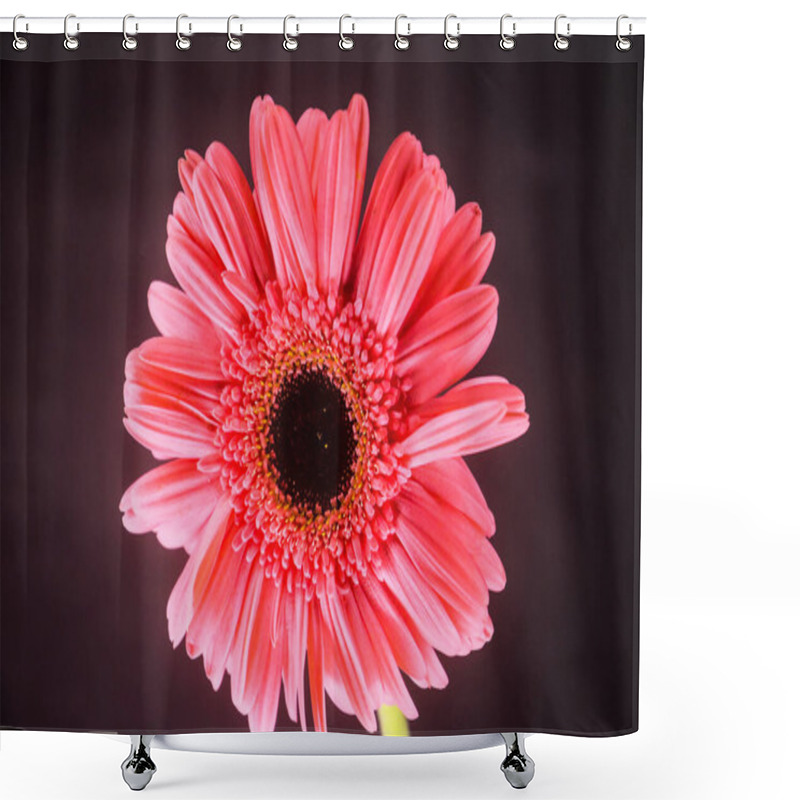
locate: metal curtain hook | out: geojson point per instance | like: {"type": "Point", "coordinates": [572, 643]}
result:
{"type": "Point", "coordinates": [129, 42]}
{"type": "Point", "coordinates": [401, 42]}
{"type": "Point", "coordinates": [234, 42]}
{"type": "Point", "coordinates": [346, 42]}
{"type": "Point", "coordinates": [289, 42]}
{"type": "Point", "coordinates": [623, 44]}
{"type": "Point", "coordinates": [182, 42]}
{"type": "Point", "coordinates": [561, 42]}
{"type": "Point", "coordinates": [20, 42]}
{"type": "Point", "coordinates": [507, 42]}
{"type": "Point", "coordinates": [70, 42]}
{"type": "Point", "coordinates": [451, 42]}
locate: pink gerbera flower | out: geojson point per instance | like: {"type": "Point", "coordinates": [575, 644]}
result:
{"type": "Point", "coordinates": [306, 394]}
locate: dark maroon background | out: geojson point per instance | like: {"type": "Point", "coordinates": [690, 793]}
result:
{"type": "Point", "coordinates": [548, 144]}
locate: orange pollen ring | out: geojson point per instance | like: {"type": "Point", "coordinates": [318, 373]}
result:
{"type": "Point", "coordinates": [286, 336]}
{"type": "Point", "coordinates": [317, 521]}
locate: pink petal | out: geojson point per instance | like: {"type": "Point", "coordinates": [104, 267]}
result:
{"type": "Point", "coordinates": [441, 561]}
{"type": "Point", "coordinates": [227, 210]}
{"type": "Point", "coordinates": [184, 209]}
{"type": "Point", "coordinates": [336, 686]}
{"type": "Point", "coordinates": [338, 184]}
{"type": "Point", "coordinates": [404, 250]}
{"type": "Point", "coordinates": [405, 650]}
{"type": "Point", "coordinates": [220, 585]}
{"type": "Point", "coordinates": [486, 388]}
{"type": "Point", "coordinates": [145, 405]}
{"type": "Point", "coordinates": [344, 652]}
{"type": "Point", "coordinates": [168, 433]}
{"type": "Point", "coordinates": [186, 167]}
{"type": "Point", "coordinates": [447, 341]}
{"type": "Point", "coordinates": [248, 643]}
{"type": "Point", "coordinates": [440, 543]}
{"type": "Point", "coordinates": [384, 679]}
{"type": "Point", "coordinates": [215, 658]}
{"type": "Point", "coordinates": [316, 668]}
{"type": "Point", "coordinates": [296, 633]}
{"type": "Point", "coordinates": [402, 161]}
{"type": "Point", "coordinates": [359, 120]}
{"type": "Point", "coordinates": [460, 261]}
{"type": "Point", "coordinates": [139, 395]}
{"type": "Point", "coordinates": [420, 603]}
{"type": "Point", "coordinates": [471, 417]}
{"type": "Point", "coordinates": [335, 201]}
{"type": "Point", "coordinates": [181, 357]}
{"type": "Point", "coordinates": [453, 433]}
{"type": "Point", "coordinates": [312, 128]}
{"type": "Point", "coordinates": [181, 603]}
{"type": "Point", "coordinates": [211, 464]}
{"type": "Point", "coordinates": [447, 491]}
{"type": "Point", "coordinates": [174, 500]}
{"type": "Point", "coordinates": [175, 315]}
{"type": "Point", "coordinates": [283, 186]}
{"type": "Point", "coordinates": [264, 711]}
{"type": "Point", "coordinates": [200, 277]}
{"type": "Point", "coordinates": [440, 477]}
{"type": "Point", "coordinates": [161, 386]}
{"type": "Point", "coordinates": [392, 690]}
{"type": "Point", "coordinates": [413, 653]}
{"type": "Point", "coordinates": [243, 290]}
{"type": "Point", "coordinates": [255, 660]}
{"type": "Point", "coordinates": [433, 580]}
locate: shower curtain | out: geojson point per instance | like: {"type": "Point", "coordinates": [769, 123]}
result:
{"type": "Point", "coordinates": [320, 385]}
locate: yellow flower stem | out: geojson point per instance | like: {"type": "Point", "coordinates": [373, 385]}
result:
{"type": "Point", "coordinates": [392, 722]}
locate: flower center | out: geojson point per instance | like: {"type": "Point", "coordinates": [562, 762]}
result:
{"type": "Point", "coordinates": [309, 422]}
{"type": "Point", "coordinates": [313, 439]}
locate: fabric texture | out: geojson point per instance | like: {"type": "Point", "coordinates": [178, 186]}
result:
{"type": "Point", "coordinates": [320, 387]}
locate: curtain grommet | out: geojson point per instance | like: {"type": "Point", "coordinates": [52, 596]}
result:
{"type": "Point", "coordinates": [182, 42]}
{"type": "Point", "coordinates": [70, 42]}
{"type": "Point", "coordinates": [234, 43]}
{"type": "Point", "coordinates": [129, 42]}
{"type": "Point", "coordinates": [290, 43]}
{"type": "Point", "coordinates": [623, 44]}
{"type": "Point", "coordinates": [451, 42]}
{"type": "Point", "coordinates": [346, 42]}
{"type": "Point", "coordinates": [401, 42]}
{"type": "Point", "coordinates": [561, 43]}
{"type": "Point", "coordinates": [507, 42]}
{"type": "Point", "coordinates": [19, 43]}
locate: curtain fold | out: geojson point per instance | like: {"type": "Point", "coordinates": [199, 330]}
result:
{"type": "Point", "coordinates": [320, 386]}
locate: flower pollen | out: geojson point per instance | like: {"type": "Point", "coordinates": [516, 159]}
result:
{"type": "Point", "coordinates": [309, 422]}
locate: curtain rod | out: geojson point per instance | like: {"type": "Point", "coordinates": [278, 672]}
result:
{"type": "Point", "coordinates": [298, 25]}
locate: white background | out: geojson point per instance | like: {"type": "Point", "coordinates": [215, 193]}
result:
{"type": "Point", "coordinates": [720, 439]}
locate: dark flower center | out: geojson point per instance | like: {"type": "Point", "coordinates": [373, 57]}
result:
{"type": "Point", "coordinates": [313, 439]}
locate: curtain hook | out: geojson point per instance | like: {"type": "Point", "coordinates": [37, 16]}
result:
{"type": "Point", "coordinates": [623, 44]}
{"type": "Point", "coordinates": [129, 42]}
{"type": "Point", "coordinates": [451, 42]}
{"type": "Point", "coordinates": [20, 42]}
{"type": "Point", "coordinates": [346, 42]}
{"type": "Point", "coordinates": [401, 42]}
{"type": "Point", "coordinates": [182, 42]}
{"type": "Point", "coordinates": [289, 42]}
{"type": "Point", "coordinates": [561, 42]}
{"type": "Point", "coordinates": [507, 42]}
{"type": "Point", "coordinates": [70, 42]}
{"type": "Point", "coordinates": [234, 42]}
